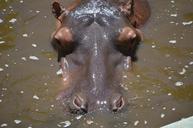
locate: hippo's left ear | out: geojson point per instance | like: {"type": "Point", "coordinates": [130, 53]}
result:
{"type": "Point", "coordinates": [56, 9]}
{"type": "Point", "coordinates": [59, 11]}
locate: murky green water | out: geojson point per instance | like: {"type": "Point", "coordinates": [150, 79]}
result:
{"type": "Point", "coordinates": [160, 87]}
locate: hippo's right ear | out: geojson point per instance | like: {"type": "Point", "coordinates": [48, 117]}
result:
{"type": "Point", "coordinates": [127, 8]}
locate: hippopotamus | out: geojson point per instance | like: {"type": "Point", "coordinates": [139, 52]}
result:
{"type": "Point", "coordinates": [96, 41]}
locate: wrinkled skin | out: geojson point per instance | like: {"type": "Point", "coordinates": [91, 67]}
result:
{"type": "Point", "coordinates": [96, 41]}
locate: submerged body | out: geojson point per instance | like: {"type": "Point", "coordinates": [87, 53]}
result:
{"type": "Point", "coordinates": [96, 41]}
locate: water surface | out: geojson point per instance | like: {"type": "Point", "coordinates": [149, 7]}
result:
{"type": "Point", "coordinates": [160, 87]}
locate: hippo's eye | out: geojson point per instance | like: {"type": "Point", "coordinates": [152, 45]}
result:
{"type": "Point", "coordinates": [128, 40]}
{"type": "Point", "coordinates": [63, 42]}
{"type": "Point", "coordinates": [127, 47]}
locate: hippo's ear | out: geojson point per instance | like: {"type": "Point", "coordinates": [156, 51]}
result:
{"type": "Point", "coordinates": [128, 40]}
{"type": "Point", "coordinates": [127, 8]}
{"type": "Point", "coordinates": [57, 9]}
{"type": "Point", "coordinates": [137, 11]}
{"type": "Point", "coordinates": [60, 12]}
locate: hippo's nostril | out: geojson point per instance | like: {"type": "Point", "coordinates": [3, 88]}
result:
{"type": "Point", "coordinates": [80, 104]}
{"type": "Point", "coordinates": [117, 103]}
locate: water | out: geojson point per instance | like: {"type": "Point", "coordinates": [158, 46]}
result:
{"type": "Point", "coordinates": [160, 87]}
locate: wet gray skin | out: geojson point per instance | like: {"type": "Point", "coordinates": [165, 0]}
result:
{"type": "Point", "coordinates": [28, 89]}
{"type": "Point", "coordinates": [94, 62]}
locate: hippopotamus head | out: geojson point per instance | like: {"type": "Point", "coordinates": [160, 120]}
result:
{"type": "Point", "coordinates": [96, 42]}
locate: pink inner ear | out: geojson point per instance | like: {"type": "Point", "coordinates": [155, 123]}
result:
{"type": "Point", "coordinates": [127, 8]}
{"type": "Point", "coordinates": [64, 35]}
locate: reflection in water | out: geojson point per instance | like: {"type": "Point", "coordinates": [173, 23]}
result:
{"type": "Point", "coordinates": [188, 16]}
{"type": "Point", "coordinates": [159, 87]}
{"type": "Point", "coordinates": [8, 18]}
{"type": "Point", "coordinates": [48, 54]}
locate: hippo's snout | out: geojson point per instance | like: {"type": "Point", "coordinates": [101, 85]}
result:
{"type": "Point", "coordinates": [80, 105]}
